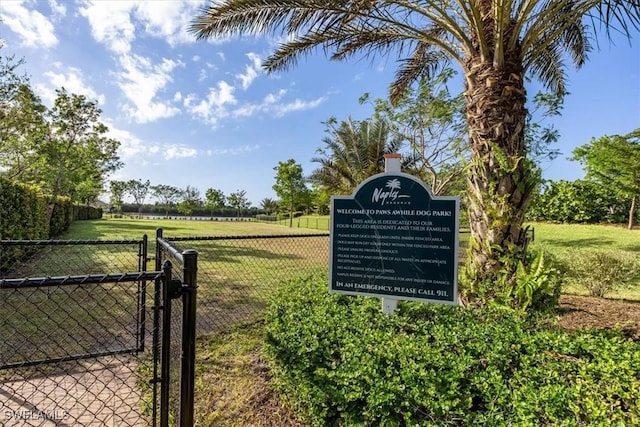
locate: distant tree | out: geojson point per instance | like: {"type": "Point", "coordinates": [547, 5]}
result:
{"type": "Point", "coordinates": [320, 199]}
{"type": "Point", "coordinates": [540, 136]}
{"type": "Point", "coordinates": [167, 195]}
{"type": "Point", "coordinates": [431, 126]}
{"type": "Point", "coordinates": [290, 186]}
{"type": "Point", "coordinates": [117, 190]}
{"type": "Point", "coordinates": [190, 199]}
{"type": "Point", "coordinates": [23, 129]}
{"type": "Point", "coordinates": [87, 191]}
{"type": "Point", "coordinates": [138, 189]}
{"type": "Point", "coordinates": [76, 148]}
{"type": "Point", "coordinates": [11, 81]}
{"type": "Point", "coordinates": [214, 199]}
{"type": "Point", "coordinates": [238, 201]}
{"type": "Point", "coordinates": [353, 151]}
{"type": "Point", "coordinates": [577, 201]}
{"type": "Point", "coordinates": [269, 205]}
{"type": "Point", "coordinates": [614, 161]}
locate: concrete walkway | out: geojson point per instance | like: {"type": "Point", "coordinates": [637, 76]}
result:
{"type": "Point", "coordinates": [96, 392]}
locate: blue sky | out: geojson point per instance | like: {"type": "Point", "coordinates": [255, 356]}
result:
{"type": "Point", "coordinates": [204, 114]}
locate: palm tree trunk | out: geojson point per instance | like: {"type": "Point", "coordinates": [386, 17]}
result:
{"type": "Point", "coordinates": [499, 180]}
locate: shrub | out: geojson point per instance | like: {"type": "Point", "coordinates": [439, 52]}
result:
{"type": "Point", "coordinates": [577, 201]}
{"type": "Point", "coordinates": [337, 360]}
{"type": "Point", "coordinates": [535, 288]}
{"type": "Point", "coordinates": [602, 271]}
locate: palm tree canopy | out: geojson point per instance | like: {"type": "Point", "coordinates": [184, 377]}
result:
{"type": "Point", "coordinates": [354, 151]}
{"type": "Point", "coordinates": [424, 33]}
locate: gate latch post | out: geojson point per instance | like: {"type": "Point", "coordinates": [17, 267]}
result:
{"type": "Point", "coordinates": [175, 288]}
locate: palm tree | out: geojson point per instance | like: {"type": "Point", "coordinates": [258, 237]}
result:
{"type": "Point", "coordinates": [354, 151]}
{"type": "Point", "coordinates": [269, 205]}
{"type": "Point", "coordinates": [498, 44]}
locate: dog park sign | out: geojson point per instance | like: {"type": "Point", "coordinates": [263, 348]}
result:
{"type": "Point", "coordinates": [392, 239]}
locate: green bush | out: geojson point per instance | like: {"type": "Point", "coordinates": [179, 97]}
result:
{"type": "Point", "coordinates": [578, 202]}
{"type": "Point", "coordinates": [23, 212]}
{"type": "Point", "coordinates": [337, 360]}
{"type": "Point", "coordinates": [81, 213]}
{"type": "Point", "coordinates": [601, 272]}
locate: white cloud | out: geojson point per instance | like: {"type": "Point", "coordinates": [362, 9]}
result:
{"type": "Point", "coordinates": [297, 105]}
{"type": "Point", "coordinates": [215, 106]}
{"type": "Point", "coordinates": [272, 98]}
{"type": "Point", "coordinates": [169, 20]}
{"type": "Point", "coordinates": [111, 23]}
{"type": "Point", "coordinates": [232, 151]}
{"type": "Point", "coordinates": [114, 22]}
{"type": "Point", "coordinates": [33, 27]}
{"type": "Point", "coordinates": [140, 81]}
{"type": "Point", "coordinates": [267, 103]}
{"type": "Point", "coordinates": [251, 70]}
{"type": "Point", "coordinates": [134, 150]}
{"type": "Point", "coordinates": [72, 81]}
{"type": "Point", "coordinates": [271, 105]}
{"type": "Point", "coordinates": [58, 9]}
{"type": "Point", "coordinates": [131, 147]}
{"type": "Point", "coordinates": [179, 151]}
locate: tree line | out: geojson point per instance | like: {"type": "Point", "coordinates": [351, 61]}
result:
{"type": "Point", "coordinates": [170, 199]}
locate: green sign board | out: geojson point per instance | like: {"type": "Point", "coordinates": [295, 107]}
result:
{"type": "Point", "coordinates": [391, 238]}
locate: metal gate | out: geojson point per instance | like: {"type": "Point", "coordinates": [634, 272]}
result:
{"type": "Point", "coordinates": [75, 347]}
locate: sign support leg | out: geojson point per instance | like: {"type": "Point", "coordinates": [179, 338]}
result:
{"type": "Point", "coordinates": [389, 305]}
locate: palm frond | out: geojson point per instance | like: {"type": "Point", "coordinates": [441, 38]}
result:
{"type": "Point", "coordinates": [622, 16]}
{"type": "Point", "coordinates": [424, 62]}
{"type": "Point", "coordinates": [547, 66]}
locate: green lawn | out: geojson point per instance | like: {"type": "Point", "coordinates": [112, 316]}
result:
{"type": "Point", "coordinates": [568, 241]}
{"type": "Point", "coordinates": [565, 238]}
{"type": "Point", "coordinates": [108, 228]}
{"type": "Point", "coordinates": [316, 222]}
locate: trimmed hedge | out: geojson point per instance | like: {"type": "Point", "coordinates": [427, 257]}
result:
{"type": "Point", "coordinates": [24, 212]}
{"type": "Point", "coordinates": [339, 361]}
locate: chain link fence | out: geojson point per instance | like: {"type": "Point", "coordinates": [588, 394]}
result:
{"type": "Point", "coordinates": [238, 274]}
{"type": "Point", "coordinates": [49, 258]}
{"type": "Point", "coordinates": [73, 329]}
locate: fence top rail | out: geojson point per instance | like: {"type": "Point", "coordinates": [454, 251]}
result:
{"type": "Point", "coordinates": [67, 242]}
{"type": "Point", "coordinates": [244, 237]}
{"type": "Point", "coordinates": [163, 243]}
{"type": "Point", "coordinates": [88, 279]}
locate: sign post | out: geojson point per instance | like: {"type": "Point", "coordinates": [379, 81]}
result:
{"type": "Point", "coordinates": [392, 239]}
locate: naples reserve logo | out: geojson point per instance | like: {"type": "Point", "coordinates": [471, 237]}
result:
{"type": "Point", "coordinates": [389, 194]}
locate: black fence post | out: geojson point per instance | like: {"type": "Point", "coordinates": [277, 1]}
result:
{"type": "Point", "coordinates": [142, 295]}
{"type": "Point", "coordinates": [166, 343]}
{"type": "Point", "coordinates": [158, 250]}
{"type": "Point", "coordinates": [157, 301]}
{"type": "Point", "coordinates": [189, 290]}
